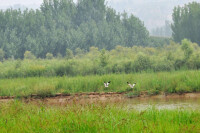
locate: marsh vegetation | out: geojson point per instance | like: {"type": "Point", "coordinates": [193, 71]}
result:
{"type": "Point", "coordinates": [99, 117]}
{"type": "Point", "coordinates": [70, 48]}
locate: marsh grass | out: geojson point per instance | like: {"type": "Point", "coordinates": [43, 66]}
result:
{"type": "Point", "coordinates": [100, 117]}
{"type": "Point", "coordinates": [151, 83]}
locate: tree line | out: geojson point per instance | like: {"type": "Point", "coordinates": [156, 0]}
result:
{"type": "Point", "coordinates": [61, 24]}
{"type": "Point", "coordinates": [61, 27]}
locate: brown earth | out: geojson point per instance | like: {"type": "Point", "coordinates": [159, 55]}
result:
{"type": "Point", "coordinates": [63, 99]}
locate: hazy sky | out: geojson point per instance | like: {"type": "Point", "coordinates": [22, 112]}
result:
{"type": "Point", "coordinates": [23, 2]}
{"type": "Point", "coordinates": [38, 2]}
{"type": "Point", "coordinates": [152, 12]}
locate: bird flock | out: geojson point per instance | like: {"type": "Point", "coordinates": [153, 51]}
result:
{"type": "Point", "coordinates": [106, 84]}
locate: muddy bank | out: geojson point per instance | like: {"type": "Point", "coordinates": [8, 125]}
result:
{"type": "Point", "coordinates": [70, 98]}
{"type": "Point", "coordinates": [61, 99]}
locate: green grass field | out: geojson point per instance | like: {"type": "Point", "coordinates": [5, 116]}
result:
{"type": "Point", "coordinates": [152, 83]}
{"type": "Point", "coordinates": [17, 117]}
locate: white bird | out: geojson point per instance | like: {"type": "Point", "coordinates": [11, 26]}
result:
{"type": "Point", "coordinates": [131, 85]}
{"type": "Point", "coordinates": [106, 84]}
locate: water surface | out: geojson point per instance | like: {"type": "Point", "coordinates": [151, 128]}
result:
{"type": "Point", "coordinates": [164, 103]}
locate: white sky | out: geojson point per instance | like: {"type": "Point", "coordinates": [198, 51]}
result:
{"type": "Point", "coordinates": [38, 2]}
{"type": "Point", "coordinates": [23, 2]}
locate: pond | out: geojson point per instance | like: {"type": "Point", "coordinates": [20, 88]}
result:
{"type": "Point", "coordinates": [190, 101]}
{"type": "Point", "coordinates": [164, 103]}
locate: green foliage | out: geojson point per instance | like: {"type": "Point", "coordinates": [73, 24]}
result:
{"type": "Point", "coordinates": [61, 24]}
{"type": "Point", "coordinates": [187, 48]}
{"type": "Point", "coordinates": [164, 65]}
{"type": "Point", "coordinates": [142, 63]}
{"type": "Point", "coordinates": [79, 52]}
{"type": "Point", "coordinates": [49, 56]}
{"type": "Point", "coordinates": [186, 22]}
{"type": "Point", "coordinates": [1, 55]}
{"type": "Point", "coordinates": [103, 58]}
{"type": "Point", "coordinates": [158, 41]}
{"type": "Point", "coordinates": [66, 69]}
{"type": "Point", "coordinates": [119, 60]}
{"type": "Point", "coordinates": [134, 27]}
{"type": "Point", "coordinates": [69, 54]}
{"type": "Point", "coordinates": [29, 55]}
{"type": "Point", "coordinates": [18, 64]}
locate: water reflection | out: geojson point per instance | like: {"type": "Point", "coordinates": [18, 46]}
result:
{"type": "Point", "coordinates": [164, 103]}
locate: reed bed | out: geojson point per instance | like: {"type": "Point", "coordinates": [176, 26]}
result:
{"type": "Point", "coordinates": [151, 83]}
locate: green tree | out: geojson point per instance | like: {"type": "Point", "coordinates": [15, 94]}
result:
{"type": "Point", "coordinates": [135, 32]}
{"type": "Point", "coordinates": [61, 24]}
{"type": "Point", "coordinates": [90, 10]}
{"type": "Point", "coordinates": [186, 22]}
{"type": "Point", "coordinates": [1, 55]}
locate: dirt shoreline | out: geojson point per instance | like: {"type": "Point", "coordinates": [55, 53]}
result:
{"type": "Point", "coordinates": [95, 97]}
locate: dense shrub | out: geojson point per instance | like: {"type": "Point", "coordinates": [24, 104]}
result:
{"type": "Point", "coordinates": [179, 64]}
{"type": "Point", "coordinates": [49, 56]}
{"type": "Point", "coordinates": [119, 60]}
{"type": "Point", "coordinates": [165, 65]}
{"type": "Point", "coordinates": [68, 69]}
{"type": "Point", "coordinates": [142, 63]}
{"type": "Point", "coordinates": [29, 55]}
{"type": "Point", "coordinates": [69, 54]}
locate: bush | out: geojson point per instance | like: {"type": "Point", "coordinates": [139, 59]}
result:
{"type": "Point", "coordinates": [186, 47]}
{"type": "Point", "coordinates": [117, 68]}
{"type": "Point", "coordinates": [128, 67]}
{"type": "Point", "coordinates": [142, 63]}
{"type": "Point", "coordinates": [69, 54]}
{"type": "Point", "coordinates": [49, 56]}
{"type": "Point", "coordinates": [165, 65]}
{"type": "Point", "coordinates": [179, 64]}
{"type": "Point", "coordinates": [66, 69]}
{"type": "Point", "coordinates": [103, 58]}
{"type": "Point", "coordinates": [79, 52]}
{"type": "Point", "coordinates": [29, 55]}
{"type": "Point", "coordinates": [18, 64]}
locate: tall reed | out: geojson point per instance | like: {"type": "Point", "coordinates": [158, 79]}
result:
{"type": "Point", "coordinates": [151, 83]}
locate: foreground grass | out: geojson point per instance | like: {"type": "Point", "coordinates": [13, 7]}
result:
{"type": "Point", "coordinates": [20, 117]}
{"type": "Point", "coordinates": [152, 83]}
